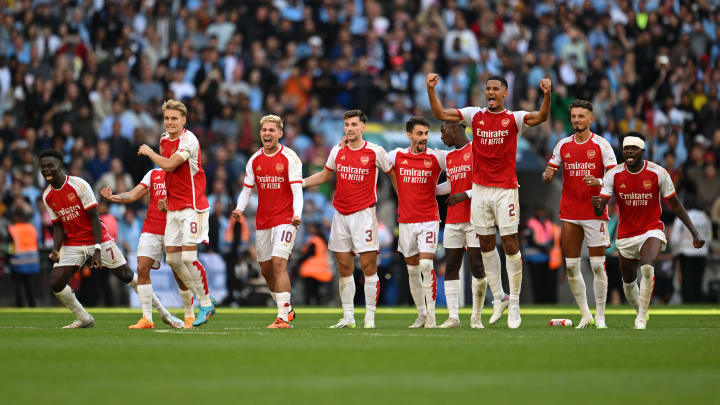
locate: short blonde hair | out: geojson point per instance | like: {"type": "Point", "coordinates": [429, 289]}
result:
{"type": "Point", "coordinates": [175, 105]}
{"type": "Point", "coordinates": [272, 118]}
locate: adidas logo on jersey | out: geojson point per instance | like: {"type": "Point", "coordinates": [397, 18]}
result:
{"type": "Point", "coordinates": [259, 169]}
{"type": "Point", "coordinates": [623, 185]}
{"type": "Point", "coordinates": [567, 156]}
{"type": "Point", "coordinates": [404, 162]}
{"type": "Point", "coordinates": [342, 157]}
{"type": "Point", "coordinates": [481, 122]}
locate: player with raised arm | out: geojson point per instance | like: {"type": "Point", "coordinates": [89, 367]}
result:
{"type": "Point", "coordinates": [495, 202]}
{"type": "Point", "coordinates": [584, 158]}
{"type": "Point", "coordinates": [187, 205]}
{"type": "Point", "coordinates": [277, 172]}
{"type": "Point", "coordinates": [151, 246]}
{"type": "Point", "coordinates": [79, 235]}
{"type": "Point", "coordinates": [459, 233]}
{"type": "Point", "coordinates": [354, 226]}
{"type": "Point", "coordinates": [638, 185]}
{"type": "Point", "coordinates": [417, 169]}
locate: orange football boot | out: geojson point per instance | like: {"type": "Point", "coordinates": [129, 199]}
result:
{"type": "Point", "coordinates": [291, 315]}
{"type": "Point", "coordinates": [279, 324]}
{"type": "Point", "coordinates": [142, 324]}
{"type": "Point", "coordinates": [189, 321]}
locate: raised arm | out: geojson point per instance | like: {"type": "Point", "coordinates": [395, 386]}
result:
{"type": "Point", "coordinates": [681, 213]}
{"type": "Point", "coordinates": [538, 117]}
{"type": "Point", "coordinates": [124, 198]}
{"type": "Point", "coordinates": [318, 178]}
{"type": "Point", "coordinates": [167, 164]}
{"type": "Point", "coordinates": [441, 113]}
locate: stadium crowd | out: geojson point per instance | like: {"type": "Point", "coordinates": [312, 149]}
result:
{"type": "Point", "coordinates": [88, 77]}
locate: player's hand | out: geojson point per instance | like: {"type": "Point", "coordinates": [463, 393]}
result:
{"type": "Point", "coordinates": [698, 243]}
{"type": "Point", "coordinates": [106, 193]}
{"type": "Point", "coordinates": [144, 150]}
{"type": "Point", "coordinates": [296, 221]}
{"type": "Point", "coordinates": [54, 256]}
{"type": "Point", "coordinates": [597, 201]}
{"type": "Point", "coordinates": [548, 174]}
{"type": "Point", "coordinates": [431, 80]}
{"type": "Point", "coordinates": [343, 142]}
{"type": "Point", "coordinates": [162, 205]}
{"type": "Point", "coordinates": [456, 199]}
{"type": "Point", "coordinates": [236, 214]}
{"type": "Point", "coordinates": [95, 263]}
{"type": "Point", "coordinates": [545, 86]}
{"type": "Point", "coordinates": [592, 181]}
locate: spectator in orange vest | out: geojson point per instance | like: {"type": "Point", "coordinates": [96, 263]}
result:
{"type": "Point", "coordinates": [315, 267]}
{"type": "Point", "coordinates": [24, 257]}
{"type": "Point", "coordinates": [540, 238]}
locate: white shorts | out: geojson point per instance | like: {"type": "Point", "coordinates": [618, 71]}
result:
{"type": "Point", "coordinates": [355, 233]}
{"type": "Point", "coordinates": [186, 227]}
{"type": "Point", "coordinates": [277, 241]}
{"type": "Point", "coordinates": [458, 236]}
{"type": "Point", "coordinates": [494, 206]}
{"type": "Point", "coordinates": [110, 255]}
{"type": "Point", "coordinates": [151, 245]}
{"type": "Point", "coordinates": [596, 231]}
{"type": "Point", "coordinates": [418, 237]}
{"type": "Point", "coordinates": [629, 248]}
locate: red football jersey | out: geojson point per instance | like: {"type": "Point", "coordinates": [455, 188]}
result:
{"type": "Point", "coordinates": [154, 182]}
{"type": "Point", "coordinates": [186, 184]}
{"type": "Point", "coordinates": [592, 157]}
{"type": "Point", "coordinates": [68, 205]}
{"type": "Point", "coordinates": [638, 196]}
{"type": "Point", "coordinates": [495, 138]}
{"type": "Point", "coordinates": [273, 175]}
{"type": "Point", "coordinates": [356, 178]}
{"type": "Point", "coordinates": [417, 176]}
{"type": "Point", "coordinates": [459, 173]}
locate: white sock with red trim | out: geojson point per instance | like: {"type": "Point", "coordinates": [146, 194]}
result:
{"type": "Point", "coordinates": [416, 288]}
{"type": "Point", "coordinates": [283, 305]}
{"type": "Point", "coordinates": [429, 285]}
{"type": "Point", "coordinates": [372, 289]}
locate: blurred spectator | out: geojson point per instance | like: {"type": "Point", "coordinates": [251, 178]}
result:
{"type": "Point", "coordinates": [24, 257]}
{"type": "Point", "coordinates": [539, 239]}
{"type": "Point", "coordinates": [314, 267]}
{"type": "Point", "coordinates": [691, 261]}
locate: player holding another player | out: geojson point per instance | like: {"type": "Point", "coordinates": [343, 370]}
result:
{"type": "Point", "coordinates": [187, 206]}
{"type": "Point", "coordinates": [79, 234]}
{"type": "Point", "coordinates": [417, 169]}
{"type": "Point", "coordinates": [584, 158]}
{"type": "Point", "coordinates": [277, 173]}
{"type": "Point", "coordinates": [354, 226]}
{"type": "Point", "coordinates": [151, 246]}
{"type": "Point", "coordinates": [459, 232]}
{"type": "Point", "coordinates": [495, 188]}
{"type": "Point", "coordinates": [638, 185]}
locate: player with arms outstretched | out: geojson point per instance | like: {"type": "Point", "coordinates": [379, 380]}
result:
{"type": "Point", "coordinates": [584, 158]}
{"type": "Point", "coordinates": [151, 246]}
{"type": "Point", "coordinates": [79, 235]}
{"type": "Point", "coordinates": [459, 233]}
{"type": "Point", "coordinates": [638, 186]}
{"type": "Point", "coordinates": [495, 202]}
{"type": "Point", "coordinates": [276, 171]}
{"type": "Point", "coordinates": [187, 205]}
{"type": "Point", "coordinates": [417, 169]}
{"type": "Point", "coordinates": [354, 226]}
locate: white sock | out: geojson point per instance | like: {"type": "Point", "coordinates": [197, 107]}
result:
{"type": "Point", "coordinates": [429, 284]}
{"type": "Point", "coordinates": [577, 285]}
{"type": "Point", "coordinates": [372, 288]}
{"type": "Point", "coordinates": [187, 299]}
{"type": "Point", "coordinates": [416, 288]}
{"type": "Point", "coordinates": [514, 269]}
{"type": "Point", "coordinates": [632, 294]}
{"type": "Point", "coordinates": [67, 297]}
{"type": "Point", "coordinates": [174, 260]}
{"type": "Point", "coordinates": [647, 283]}
{"type": "Point", "coordinates": [198, 285]}
{"type": "Point", "coordinates": [452, 287]}
{"type": "Point", "coordinates": [145, 292]}
{"type": "Point", "coordinates": [347, 294]}
{"type": "Point", "coordinates": [479, 287]}
{"type": "Point", "coordinates": [491, 262]}
{"type": "Point", "coordinates": [600, 285]}
{"type": "Point", "coordinates": [283, 305]}
{"type": "Point", "coordinates": [154, 300]}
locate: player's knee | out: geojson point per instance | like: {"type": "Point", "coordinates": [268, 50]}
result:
{"type": "Point", "coordinates": [173, 259]}
{"type": "Point", "coordinates": [57, 284]}
{"type": "Point", "coordinates": [123, 273]}
{"type": "Point", "coordinates": [189, 257]}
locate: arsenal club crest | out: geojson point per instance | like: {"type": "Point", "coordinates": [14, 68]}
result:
{"type": "Point", "coordinates": [71, 197]}
{"type": "Point", "coordinates": [279, 167]}
{"type": "Point", "coordinates": [591, 154]}
{"type": "Point", "coordinates": [427, 162]}
{"type": "Point", "coordinates": [505, 122]}
{"type": "Point", "coordinates": [364, 160]}
{"type": "Point", "coordinates": [647, 184]}
{"type": "Point", "coordinates": [467, 156]}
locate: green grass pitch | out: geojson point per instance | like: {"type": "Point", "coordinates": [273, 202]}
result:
{"type": "Point", "coordinates": [234, 359]}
